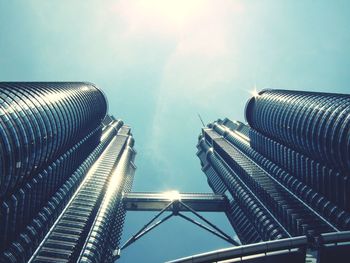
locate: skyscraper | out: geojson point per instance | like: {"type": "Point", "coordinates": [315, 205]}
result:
{"type": "Point", "coordinates": [286, 172]}
{"type": "Point", "coordinates": [67, 168]}
{"type": "Point", "coordinates": [64, 164]}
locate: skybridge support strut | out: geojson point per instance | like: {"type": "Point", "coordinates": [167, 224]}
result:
{"type": "Point", "coordinates": [175, 203]}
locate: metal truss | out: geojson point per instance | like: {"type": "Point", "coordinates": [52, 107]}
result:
{"type": "Point", "coordinates": [176, 204]}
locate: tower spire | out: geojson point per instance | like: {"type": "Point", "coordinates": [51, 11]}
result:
{"type": "Point", "coordinates": [200, 118]}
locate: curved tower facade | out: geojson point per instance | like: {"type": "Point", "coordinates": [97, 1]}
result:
{"type": "Point", "coordinates": [40, 121]}
{"type": "Point", "coordinates": [308, 134]}
{"type": "Point", "coordinates": [314, 124]}
{"type": "Point", "coordinates": [58, 151]}
{"type": "Point", "coordinates": [286, 173]}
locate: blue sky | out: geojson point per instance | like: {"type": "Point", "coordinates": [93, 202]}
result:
{"type": "Point", "coordinates": [161, 62]}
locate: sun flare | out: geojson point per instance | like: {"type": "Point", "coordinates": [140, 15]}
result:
{"type": "Point", "coordinates": [172, 195]}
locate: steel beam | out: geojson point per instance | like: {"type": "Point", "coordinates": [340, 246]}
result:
{"type": "Point", "coordinates": [139, 201]}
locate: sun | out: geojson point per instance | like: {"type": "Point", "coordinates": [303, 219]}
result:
{"type": "Point", "coordinates": [168, 15]}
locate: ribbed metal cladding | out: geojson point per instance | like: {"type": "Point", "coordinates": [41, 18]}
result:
{"type": "Point", "coordinates": [81, 231]}
{"type": "Point", "coordinates": [58, 151]}
{"type": "Point", "coordinates": [20, 207]}
{"type": "Point", "coordinates": [244, 228]}
{"type": "Point", "coordinates": [253, 210]}
{"type": "Point", "coordinates": [322, 184]}
{"type": "Point", "coordinates": [314, 124]}
{"type": "Point", "coordinates": [106, 230]}
{"type": "Point", "coordinates": [241, 224]}
{"type": "Point", "coordinates": [267, 226]}
{"type": "Point", "coordinates": [329, 182]}
{"type": "Point", "coordinates": [287, 208]}
{"type": "Point", "coordinates": [213, 178]}
{"type": "Point", "coordinates": [299, 194]}
{"type": "Point", "coordinates": [40, 121]}
{"type": "Point", "coordinates": [27, 240]}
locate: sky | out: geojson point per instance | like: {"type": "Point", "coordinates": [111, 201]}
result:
{"type": "Point", "coordinates": [162, 62]}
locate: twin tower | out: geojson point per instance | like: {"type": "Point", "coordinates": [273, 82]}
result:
{"type": "Point", "coordinates": [67, 168]}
